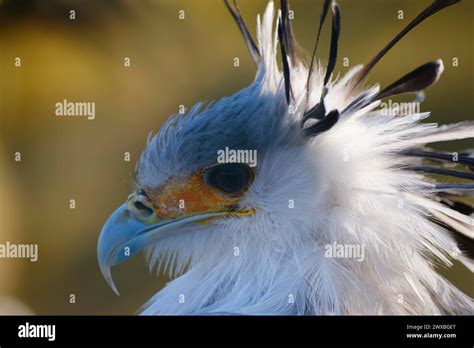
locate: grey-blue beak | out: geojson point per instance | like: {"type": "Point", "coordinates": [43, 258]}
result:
{"type": "Point", "coordinates": [118, 241]}
{"type": "Point", "coordinates": [123, 236]}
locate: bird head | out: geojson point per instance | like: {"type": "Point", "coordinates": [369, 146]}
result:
{"type": "Point", "coordinates": [220, 185]}
{"type": "Point", "coordinates": [239, 199]}
{"type": "Point", "coordinates": [210, 180]}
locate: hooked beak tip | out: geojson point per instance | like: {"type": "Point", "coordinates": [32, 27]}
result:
{"type": "Point", "coordinates": [107, 274]}
{"type": "Point", "coordinates": [123, 236]}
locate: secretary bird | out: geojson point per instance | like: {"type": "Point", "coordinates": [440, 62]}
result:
{"type": "Point", "coordinates": [337, 176]}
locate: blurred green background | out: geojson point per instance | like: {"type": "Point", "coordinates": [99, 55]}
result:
{"type": "Point", "coordinates": [173, 62]}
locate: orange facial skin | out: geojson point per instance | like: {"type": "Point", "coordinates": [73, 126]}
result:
{"type": "Point", "coordinates": [178, 199]}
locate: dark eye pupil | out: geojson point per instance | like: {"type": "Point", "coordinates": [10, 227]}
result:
{"type": "Point", "coordinates": [230, 178]}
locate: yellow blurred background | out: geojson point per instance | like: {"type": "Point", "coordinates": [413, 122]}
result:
{"type": "Point", "coordinates": [173, 62]}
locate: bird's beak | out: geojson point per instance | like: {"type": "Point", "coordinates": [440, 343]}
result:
{"type": "Point", "coordinates": [123, 236]}
{"type": "Point", "coordinates": [148, 217]}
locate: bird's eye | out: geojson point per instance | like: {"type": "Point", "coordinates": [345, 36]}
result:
{"type": "Point", "coordinates": [231, 178]}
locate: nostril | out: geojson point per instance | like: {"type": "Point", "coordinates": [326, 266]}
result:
{"type": "Point", "coordinates": [142, 208]}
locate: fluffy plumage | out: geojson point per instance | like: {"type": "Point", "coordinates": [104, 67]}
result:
{"type": "Point", "coordinates": [351, 182]}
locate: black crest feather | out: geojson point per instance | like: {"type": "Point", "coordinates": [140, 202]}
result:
{"type": "Point", "coordinates": [336, 28]}
{"type": "Point", "coordinates": [252, 47]}
{"type": "Point", "coordinates": [435, 7]}
{"type": "Point", "coordinates": [284, 59]}
{"type": "Point", "coordinates": [444, 172]}
{"type": "Point", "coordinates": [313, 56]}
{"type": "Point", "coordinates": [319, 110]}
{"type": "Point", "coordinates": [416, 80]}
{"type": "Point", "coordinates": [323, 125]}
{"type": "Point", "coordinates": [454, 187]}
{"type": "Point", "coordinates": [289, 37]}
{"type": "Point", "coordinates": [465, 243]}
{"type": "Point", "coordinates": [463, 159]}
